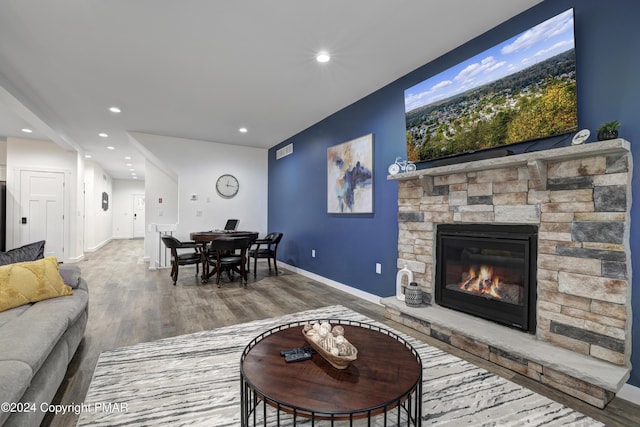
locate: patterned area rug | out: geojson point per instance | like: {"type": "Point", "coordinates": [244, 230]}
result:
{"type": "Point", "coordinates": [194, 380]}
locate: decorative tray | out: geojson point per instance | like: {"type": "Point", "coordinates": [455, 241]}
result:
{"type": "Point", "coordinates": [330, 343]}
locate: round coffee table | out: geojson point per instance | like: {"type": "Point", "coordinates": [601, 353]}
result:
{"type": "Point", "coordinates": [384, 381]}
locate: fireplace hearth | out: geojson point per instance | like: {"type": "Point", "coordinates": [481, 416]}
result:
{"type": "Point", "coordinates": [489, 271]}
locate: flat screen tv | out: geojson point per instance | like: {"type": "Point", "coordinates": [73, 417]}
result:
{"type": "Point", "coordinates": [522, 89]}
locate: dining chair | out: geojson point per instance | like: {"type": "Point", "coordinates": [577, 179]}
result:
{"type": "Point", "coordinates": [230, 256]}
{"type": "Point", "coordinates": [265, 248]}
{"type": "Point", "coordinates": [178, 259]}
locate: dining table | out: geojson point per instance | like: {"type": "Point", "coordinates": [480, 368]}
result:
{"type": "Point", "coordinates": [205, 237]}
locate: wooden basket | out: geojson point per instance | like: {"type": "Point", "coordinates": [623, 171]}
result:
{"type": "Point", "coordinates": [338, 362]}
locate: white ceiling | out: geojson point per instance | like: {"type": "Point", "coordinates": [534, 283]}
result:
{"type": "Point", "coordinates": [201, 69]}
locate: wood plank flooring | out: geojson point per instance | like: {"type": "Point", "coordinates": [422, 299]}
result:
{"type": "Point", "coordinates": [130, 304]}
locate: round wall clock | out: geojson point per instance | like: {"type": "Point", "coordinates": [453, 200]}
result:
{"type": "Point", "coordinates": [227, 185]}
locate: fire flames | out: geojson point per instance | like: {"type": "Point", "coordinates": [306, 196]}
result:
{"type": "Point", "coordinates": [482, 282]}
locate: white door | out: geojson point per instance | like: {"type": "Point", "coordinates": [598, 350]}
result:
{"type": "Point", "coordinates": [42, 210]}
{"type": "Point", "coordinates": [138, 215]}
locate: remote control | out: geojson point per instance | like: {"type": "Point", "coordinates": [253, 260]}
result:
{"type": "Point", "coordinates": [297, 357]}
{"type": "Point", "coordinates": [292, 351]}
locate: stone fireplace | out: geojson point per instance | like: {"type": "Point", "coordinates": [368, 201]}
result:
{"type": "Point", "coordinates": [574, 300]}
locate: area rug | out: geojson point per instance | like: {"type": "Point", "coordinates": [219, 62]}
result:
{"type": "Point", "coordinates": [194, 380]}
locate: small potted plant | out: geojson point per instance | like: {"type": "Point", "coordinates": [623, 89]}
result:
{"type": "Point", "coordinates": [608, 130]}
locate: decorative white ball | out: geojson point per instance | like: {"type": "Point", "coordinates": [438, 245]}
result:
{"type": "Point", "coordinates": [339, 340]}
{"type": "Point", "coordinates": [335, 351]}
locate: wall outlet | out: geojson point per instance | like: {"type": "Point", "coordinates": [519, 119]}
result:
{"type": "Point", "coordinates": [378, 268]}
{"type": "Point", "coordinates": [313, 253]}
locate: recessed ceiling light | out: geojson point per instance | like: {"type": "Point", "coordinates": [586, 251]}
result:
{"type": "Point", "coordinates": [103, 135]}
{"type": "Point", "coordinates": [243, 130]}
{"type": "Point", "coordinates": [127, 157]}
{"type": "Point", "coordinates": [26, 130]}
{"type": "Point", "coordinates": [323, 57]}
{"type": "Point", "coordinates": [87, 156]}
{"type": "Point", "coordinates": [115, 110]}
{"type": "Point", "coordinates": [129, 164]}
{"type": "Point", "coordinates": [110, 147]}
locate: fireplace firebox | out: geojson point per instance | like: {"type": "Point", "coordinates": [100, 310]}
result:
{"type": "Point", "coordinates": [489, 271]}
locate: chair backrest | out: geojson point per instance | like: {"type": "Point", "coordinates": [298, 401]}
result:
{"type": "Point", "coordinates": [230, 244]}
{"type": "Point", "coordinates": [171, 242]}
{"type": "Point", "coordinates": [274, 238]}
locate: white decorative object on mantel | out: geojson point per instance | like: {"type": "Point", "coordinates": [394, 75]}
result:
{"type": "Point", "coordinates": [401, 166]}
{"type": "Point", "coordinates": [405, 272]}
{"type": "Point", "coordinates": [580, 137]}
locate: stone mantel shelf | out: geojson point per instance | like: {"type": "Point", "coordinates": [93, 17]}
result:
{"type": "Point", "coordinates": [535, 161]}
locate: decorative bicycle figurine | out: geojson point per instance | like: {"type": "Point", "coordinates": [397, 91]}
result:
{"type": "Point", "coordinates": [401, 166]}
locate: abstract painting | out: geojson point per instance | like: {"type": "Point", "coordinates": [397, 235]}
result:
{"type": "Point", "coordinates": [350, 176]}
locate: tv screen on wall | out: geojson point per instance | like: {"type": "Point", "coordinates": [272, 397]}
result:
{"type": "Point", "coordinates": [522, 89]}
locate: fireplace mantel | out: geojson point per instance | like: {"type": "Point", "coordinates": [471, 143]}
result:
{"type": "Point", "coordinates": [579, 197]}
{"type": "Point", "coordinates": [600, 148]}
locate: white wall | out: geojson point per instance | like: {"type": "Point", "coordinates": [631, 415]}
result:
{"type": "Point", "coordinates": [76, 236]}
{"type": "Point", "coordinates": [98, 224]}
{"type": "Point", "coordinates": [161, 207]}
{"type": "Point", "coordinates": [30, 154]}
{"type": "Point", "coordinates": [198, 164]}
{"type": "Point", "coordinates": [122, 205]}
{"type": "Point", "coordinates": [3, 151]}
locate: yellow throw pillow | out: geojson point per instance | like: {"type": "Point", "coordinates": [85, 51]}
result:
{"type": "Point", "coordinates": [25, 282]}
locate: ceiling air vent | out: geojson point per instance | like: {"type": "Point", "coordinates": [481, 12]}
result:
{"type": "Point", "coordinates": [284, 151]}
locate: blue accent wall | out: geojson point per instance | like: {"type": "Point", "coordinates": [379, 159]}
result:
{"type": "Point", "coordinates": [348, 246]}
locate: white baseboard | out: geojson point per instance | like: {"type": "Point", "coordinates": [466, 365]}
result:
{"type": "Point", "coordinates": [337, 285]}
{"type": "Point", "coordinates": [629, 393]}
{"type": "Point", "coordinates": [75, 259]}
{"type": "Point", "coordinates": [98, 246]}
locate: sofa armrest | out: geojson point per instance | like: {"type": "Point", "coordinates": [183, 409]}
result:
{"type": "Point", "coordinates": [70, 274]}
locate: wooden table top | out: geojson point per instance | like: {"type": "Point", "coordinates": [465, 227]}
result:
{"type": "Point", "coordinates": [208, 236]}
{"type": "Point", "coordinates": [385, 371]}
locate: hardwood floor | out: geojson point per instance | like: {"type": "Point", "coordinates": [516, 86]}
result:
{"type": "Point", "coordinates": [130, 304]}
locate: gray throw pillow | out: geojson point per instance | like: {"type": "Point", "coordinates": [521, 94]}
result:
{"type": "Point", "coordinates": [30, 252]}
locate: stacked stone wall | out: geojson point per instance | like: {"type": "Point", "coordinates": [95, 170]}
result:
{"type": "Point", "coordinates": [581, 207]}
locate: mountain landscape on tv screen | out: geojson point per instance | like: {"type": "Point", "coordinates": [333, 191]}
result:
{"type": "Point", "coordinates": [532, 102]}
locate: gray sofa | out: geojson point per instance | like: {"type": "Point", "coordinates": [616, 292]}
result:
{"type": "Point", "coordinates": [37, 342]}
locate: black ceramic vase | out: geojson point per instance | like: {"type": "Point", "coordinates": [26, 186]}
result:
{"type": "Point", "coordinates": [607, 134]}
